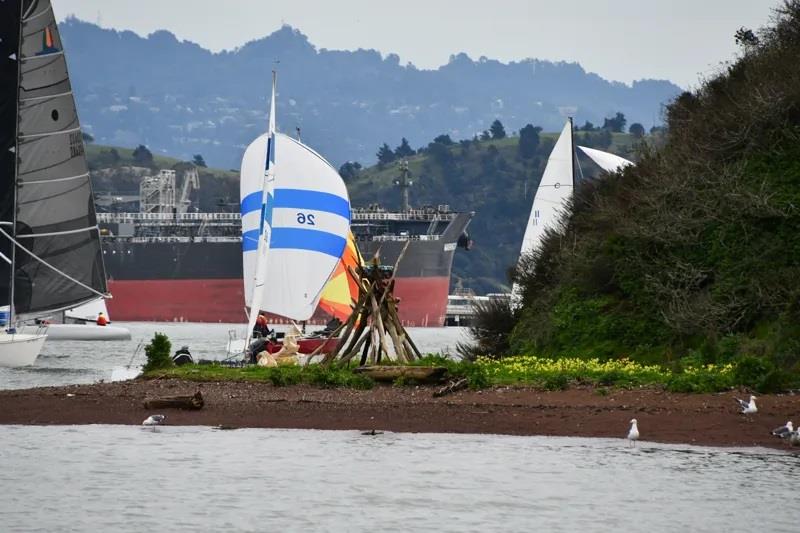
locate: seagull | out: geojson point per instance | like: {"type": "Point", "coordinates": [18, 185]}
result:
{"type": "Point", "coordinates": [794, 438]}
{"type": "Point", "coordinates": [633, 434]}
{"type": "Point", "coordinates": [784, 431]}
{"type": "Point", "coordinates": [154, 420]}
{"type": "Point", "coordinates": [748, 408]}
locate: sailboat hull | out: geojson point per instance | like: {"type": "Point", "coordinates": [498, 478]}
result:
{"type": "Point", "coordinates": [20, 349]}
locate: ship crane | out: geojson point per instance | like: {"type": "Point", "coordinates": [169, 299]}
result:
{"type": "Point", "coordinates": [191, 182]}
{"type": "Point", "coordinates": [404, 183]}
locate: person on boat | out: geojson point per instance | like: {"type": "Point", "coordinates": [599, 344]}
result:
{"type": "Point", "coordinates": [261, 328]}
{"type": "Point", "coordinates": [101, 319]}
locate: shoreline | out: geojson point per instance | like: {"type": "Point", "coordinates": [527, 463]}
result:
{"type": "Point", "coordinates": [674, 418]}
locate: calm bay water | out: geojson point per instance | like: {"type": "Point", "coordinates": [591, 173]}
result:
{"type": "Point", "coordinates": [72, 362]}
{"type": "Point", "coordinates": [127, 478]}
{"type": "Point", "coordinates": [118, 478]}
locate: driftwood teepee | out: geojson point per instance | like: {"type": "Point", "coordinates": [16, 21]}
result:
{"type": "Point", "coordinates": [374, 331]}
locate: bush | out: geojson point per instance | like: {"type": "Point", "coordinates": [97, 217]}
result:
{"type": "Point", "coordinates": [159, 353]}
{"type": "Point", "coordinates": [750, 371]}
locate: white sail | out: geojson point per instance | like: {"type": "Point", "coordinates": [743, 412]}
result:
{"type": "Point", "coordinates": [606, 161]}
{"type": "Point", "coordinates": [299, 212]}
{"type": "Point", "coordinates": [554, 191]}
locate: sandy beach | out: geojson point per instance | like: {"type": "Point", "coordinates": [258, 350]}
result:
{"type": "Point", "coordinates": [703, 419]}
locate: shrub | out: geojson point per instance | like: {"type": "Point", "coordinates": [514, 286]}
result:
{"type": "Point", "coordinates": [750, 371]}
{"type": "Point", "coordinates": [158, 353]}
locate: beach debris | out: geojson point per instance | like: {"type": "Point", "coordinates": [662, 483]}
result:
{"type": "Point", "coordinates": [154, 420]}
{"type": "Point", "coordinates": [451, 387]}
{"type": "Point", "coordinates": [784, 431]}
{"type": "Point", "coordinates": [372, 432]}
{"type": "Point", "coordinates": [373, 332]}
{"type": "Point", "coordinates": [633, 433]}
{"type": "Point", "coordinates": [748, 408]}
{"type": "Point", "coordinates": [195, 401]}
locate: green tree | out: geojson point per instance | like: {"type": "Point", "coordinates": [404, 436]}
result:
{"type": "Point", "coordinates": [349, 170]}
{"type": "Point", "coordinates": [404, 150]}
{"type": "Point", "coordinates": [142, 156]}
{"type": "Point", "coordinates": [587, 126]}
{"type": "Point", "coordinates": [443, 139]}
{"type": "Point", "coordinates": [528, 141]}
{"type": "Point", "coordinates": [158, 353]}
{"type": "Point", "coordinates": [385, 155]}
{"type": "Point", "coordinates": [615, 124]}
{"type": "Point", "coordinates": [198, 160]}
{"type": "Point", "coordinates": [497, 130]}
{"type": "Point", "coordinates": [637, 130]}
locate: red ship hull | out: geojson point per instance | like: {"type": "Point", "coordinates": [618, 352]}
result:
{"type": "Point", "coordinates": [423, 301]}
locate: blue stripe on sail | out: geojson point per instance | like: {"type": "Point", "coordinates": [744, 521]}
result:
{"type": "Point", "coordinates": [313, 201]}
{"type": "Point", "coordinates": [251, 202]}
{"type": "Point", "coordinates": [250, 240]}
{"type": "Point", "coordinates": [307, 239]}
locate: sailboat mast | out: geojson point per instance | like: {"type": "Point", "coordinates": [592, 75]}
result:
{"type": "Point", "coordinates": [573, 152]}
{"type": "Point", "coordinates": [13, 230]}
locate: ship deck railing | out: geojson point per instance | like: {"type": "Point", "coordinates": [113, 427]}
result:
{"type": "Point", "coordinates": [131, 218]}
{"type": "Point", "coordinates": [410, 215]}
{"type": "Point", "coordinates": [175, 239]}
{"type": "Point", "coordinates": [386, 238]}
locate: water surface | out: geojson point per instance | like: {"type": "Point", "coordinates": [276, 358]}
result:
{"type": "Point", "coordinates": [103, 478]}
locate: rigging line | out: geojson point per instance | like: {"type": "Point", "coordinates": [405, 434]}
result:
{"type": "Point", "coordinates": [32, 98]}
{"type": "Point", "coordinates": [56, 233]}
{"type": "Point", "coordinates": [39, 135]}
{"type": "Point", "coordinates": [36, 182]}
{"type": "Point", "coordinates": [48, 265]}
{"type": "Point", "coordinates": [4, 258]}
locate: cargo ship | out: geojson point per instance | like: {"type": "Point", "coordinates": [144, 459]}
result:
{"type": "Point", "coordinates": [166, 263]}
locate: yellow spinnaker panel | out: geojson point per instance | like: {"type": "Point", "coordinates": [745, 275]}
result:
{"type": "Point", "coordinates": [341, 292]}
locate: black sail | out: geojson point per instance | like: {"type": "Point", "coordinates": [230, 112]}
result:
{"type": "Point", "coordinates": [55, 216]}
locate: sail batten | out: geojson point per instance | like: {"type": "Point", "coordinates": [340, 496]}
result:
{"type": "Point", "coordinates": [49, 203]}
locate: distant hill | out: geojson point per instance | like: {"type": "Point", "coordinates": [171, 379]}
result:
{"type": "Point", "coordinates": [180, 99]}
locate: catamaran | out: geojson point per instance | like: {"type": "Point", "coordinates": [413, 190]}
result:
{"type": "Point", "coordinates": [50, 257]}
{"type": "Point", "coordinates": [295, 225]}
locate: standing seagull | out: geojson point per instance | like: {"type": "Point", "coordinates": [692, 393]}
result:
{"type": "Point", "coordinates": [784, 431]}
{"type": "Point", "coordinates": [794, 438]}
{"type": "Point", "coordinates": [748, 408]}
{"type": "Point", "coordinates": [633, 434]}
{"type": "Point", "coordinates": [154, 420]}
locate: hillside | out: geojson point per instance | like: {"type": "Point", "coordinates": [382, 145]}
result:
{"type": "Point", "coordinates": [694, 252]}
{"type": "Point", "coordinates": [114, 171]}
{"type": "Point", "coordinates": [488, 177]}
{"type": "Point", "coordinates": [180, 99]}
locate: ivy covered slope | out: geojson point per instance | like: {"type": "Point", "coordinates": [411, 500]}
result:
{"type": "Point", "coordinates": [495, 177]}
{"type": "Point", "coordinates": [696, 250]}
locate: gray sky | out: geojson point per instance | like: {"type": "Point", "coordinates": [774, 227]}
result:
{"type": "Point", "coordinates": [618, 39]}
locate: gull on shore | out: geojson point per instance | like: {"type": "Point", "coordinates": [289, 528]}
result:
{"type": "Point", "coordinates": [633, 433]}
{"type": "Point", "coordinates": [784, 431]}
{"type": "Point", "coordinates": [748, 408]}
{"type": "Point", "coordinates": [154, 420]}
{"type": "Point", "coordinates": [794, 438]}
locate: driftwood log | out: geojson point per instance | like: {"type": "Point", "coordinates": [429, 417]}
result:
{"type": "Point", "coordinates": [423, 374]}
{"type": "Point", "coordinates": [195, 401]}
{"type": "Point", "coordinates": [451, 387]}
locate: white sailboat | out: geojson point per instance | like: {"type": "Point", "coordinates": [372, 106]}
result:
{"type": "Point", "coordinates": [555, 190]}
{"type": "Point", "coordinates": [80, 324]}
{"type": "Point", "coordinates": [295, 222]}
{"type": "Point", "coordinates": [49, 239]}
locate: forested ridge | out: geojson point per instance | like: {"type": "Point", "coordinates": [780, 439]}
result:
{"type": "Point", "coordinates": [694, 253]}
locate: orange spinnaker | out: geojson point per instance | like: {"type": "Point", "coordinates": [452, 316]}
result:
{"type": "Point", "coordinates": [340, 294]}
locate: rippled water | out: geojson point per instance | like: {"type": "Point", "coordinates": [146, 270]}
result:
{"type": "Point", "coordinates": [103, 478]}
{"type": "Point", "coordinates": [71, 362]}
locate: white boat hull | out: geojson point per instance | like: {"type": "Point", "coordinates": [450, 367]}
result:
{"type": "Point", "coordinates": [20, 349]}
{"type": "Point", "coordinates": [83, 332]}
